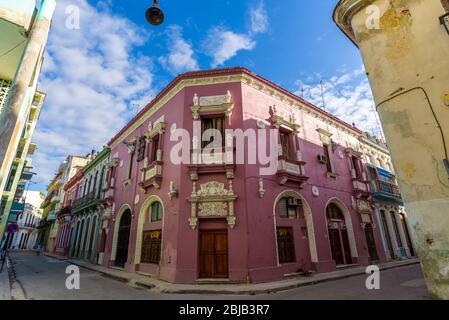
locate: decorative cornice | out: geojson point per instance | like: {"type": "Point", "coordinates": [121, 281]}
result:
{"type": "Point", "coordinates": [97, 159]}
{"type": "Point", "coordinates": [72, 182]}
{"type": "Point", "coordinates": [374, 145]}
{"type": "Point", "coordinates": [228, 75]}
{"type": "Point", "coordinates": [324, 132]}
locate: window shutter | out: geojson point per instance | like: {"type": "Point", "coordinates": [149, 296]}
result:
{"type": "Point", "coordinates": [282, 208]}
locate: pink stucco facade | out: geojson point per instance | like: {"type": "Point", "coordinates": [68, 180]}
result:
{"type": "Point", "coordinates": [252, 241]}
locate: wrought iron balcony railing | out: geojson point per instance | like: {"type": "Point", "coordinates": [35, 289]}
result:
{"type": "Point", "coordinates": [385, 187]}
{"type": "Point", "coordinates": [88, 200]}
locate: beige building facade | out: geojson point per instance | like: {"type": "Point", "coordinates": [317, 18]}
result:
{"type": "Point", "coordinates": [405, 49]}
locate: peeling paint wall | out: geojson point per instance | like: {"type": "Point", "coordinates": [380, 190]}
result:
{"type": "Point", "coordinates": [407, 61]}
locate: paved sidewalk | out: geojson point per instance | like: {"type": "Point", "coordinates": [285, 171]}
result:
{"type": "Point", "coordinates": [239, 289]}
{"type": "Point", "coordinates": [5, 289]}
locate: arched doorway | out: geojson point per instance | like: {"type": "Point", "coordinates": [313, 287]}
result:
{"type": "Point", "coordinates": [302, 210]}
{"type": "Point", "coordinates": [147, 214]}
{"type": "Point", "coordinates": [79, 239]}
{"type": "Point", "coordinates": [338, 235]}
{"type": "Point", "coordinates": [124, 228]}
{"type": "Point", "coordinates": [93, 240]}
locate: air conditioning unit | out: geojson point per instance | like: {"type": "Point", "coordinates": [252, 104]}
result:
{"type": "Point", "coordinates": [322, 158]}
{"type": "Point", "coordinates": [293, 201]}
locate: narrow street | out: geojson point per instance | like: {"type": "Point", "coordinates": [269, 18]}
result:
{"type": "Point", "coordinates": [43, 278]}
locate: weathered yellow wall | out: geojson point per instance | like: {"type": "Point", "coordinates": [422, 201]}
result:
{"type": "Point", "coordinates": [411, 49]}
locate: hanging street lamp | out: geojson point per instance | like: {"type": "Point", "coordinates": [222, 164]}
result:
{"type": "Point", "coordinates": [154, 15]}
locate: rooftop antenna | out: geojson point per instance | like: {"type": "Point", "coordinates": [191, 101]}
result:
{"type": "Point", "coordinates": [379, 126]}
{"type": "Point", "coordinates": [322, 94]}
{"type": "Point", "coordinates": [135, 107]}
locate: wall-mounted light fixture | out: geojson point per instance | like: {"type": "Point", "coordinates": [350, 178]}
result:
{"type": "Point", "coordinates": [131, 146]}
{"type": "Point", "coordinates": [444, 19]}
{"type": "Point", "coordinates": [172, 192]}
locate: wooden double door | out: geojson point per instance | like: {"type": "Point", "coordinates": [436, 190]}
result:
{"type": "Point", "coordinates": [339, 242]}
{"type": "Point", "coordinates": [371, 243]}
{"type": "Point", "coordinates": [213, 254]}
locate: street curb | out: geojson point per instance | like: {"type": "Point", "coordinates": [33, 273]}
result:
{"type": "Point", "coordinates": [165, 288]}
{"type": "Point", "coordinates": [282, 288]}
{"type": "Point", "coordinates": [5, 286]}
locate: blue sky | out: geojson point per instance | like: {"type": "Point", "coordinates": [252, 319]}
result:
{"type": "Point", "coordinates": [98, 75]}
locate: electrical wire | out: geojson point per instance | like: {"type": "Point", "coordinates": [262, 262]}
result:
{"type": "Point", "coordinates": [16, 46]}
{"type": "Point", "coordinates": [431, 109]}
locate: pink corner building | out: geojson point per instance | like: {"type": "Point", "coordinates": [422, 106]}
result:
{"type": "Point", "coordinates": [197, 221]}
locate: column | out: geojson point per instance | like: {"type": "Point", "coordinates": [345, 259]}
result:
{"type": "Point", "coordinates": [394, 241]}
{"type": "Point", "coordinates": [14, 240]}
{"type": "Point", "coordinates": [58, 236]}
{"type": "Point", "coordinates": [77, 239]}
{"type": "Point", "coordinates": [72, 243]}
{"type": "Point", "coordinates": [87, 242]}
{"type": "Point", "coordinates": [382, 232]}
{"type": "Point", "coordinates": [402, 234]}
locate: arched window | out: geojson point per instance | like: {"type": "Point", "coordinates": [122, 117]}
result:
{"type": "Point", "coordinates": [94, 188]}
{"type": "Point", "coordinates": [288, 207]}
{"type": "Point", "coordinates": [156, 211]}
{"type": "Point", "coordinates": [334, 212]}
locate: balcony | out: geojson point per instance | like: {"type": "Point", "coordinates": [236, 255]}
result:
{"type": "Point", "coordinates": [89, 200]}
{"type": "Point", "coordinates": [151, 176]}
{"type": "Point", "coordinates": [108, 192]}
{"type": "Point", "coordinates": [386, 191]}
{"type": "Point", "coordinates": [32, 149]}
{"type": "Point", "coordinates": [67, 210]}
{"type": "Point", "coordinates": [27, 175]}
{"type": "Point", "coordinates": [291, 170]}
{"type": "Point", "coordinates": [359, 183]}
{"type": "Point", "coordinates": [211, 161]}
{"type": "Point", "coordinates": [16, 18]}
{"type": "Point", "coordinates": [52, 216]}
{"type": "Point", "coordinates": [56, 199]}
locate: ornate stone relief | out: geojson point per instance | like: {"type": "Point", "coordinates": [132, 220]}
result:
{"type": "Point", "coordinates": [279, 119]}
{"type": "Point", "coordinates": [213, 200]}
{"type": "Point", "coordinates": [364, 206]}
{"type": "Point", "coordinates": [315, 191]}
{"type": "Point", "coordinates": [213, 209]}
{"type": "Point", "coordinates": [221, 103]}
{"type": "Point", "coordinates": [325, 136]}
{"type": "Point", "coordinates": [158, 128]}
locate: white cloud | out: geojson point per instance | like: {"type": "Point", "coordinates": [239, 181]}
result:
{"type": "Point", "coordinates": [222, 44]}
{"type": "Point", "coordinates": [181, 56]}
{"type": "Point", "coordinates": [347, 95]}
{"type": "Point", "coordinates": [259, 18]}
{"type": "Point", "coordinates": [92, 76]}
